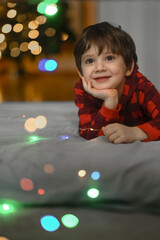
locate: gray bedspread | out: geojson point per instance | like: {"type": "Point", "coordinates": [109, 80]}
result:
{"type": "Point", "coordinates": [129, 173]}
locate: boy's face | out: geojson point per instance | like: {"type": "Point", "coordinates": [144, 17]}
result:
{"type": "Point", "coordinates": [104, 71]}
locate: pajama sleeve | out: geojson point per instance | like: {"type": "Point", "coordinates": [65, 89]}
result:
{"type": "Point", "coordinates": [149, 99]}
{"type": "Point", "coordinates": [91, 116]}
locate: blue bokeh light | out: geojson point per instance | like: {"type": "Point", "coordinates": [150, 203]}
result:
{"type": "Point", "coordinates": [64, 137]}
{"type": "Point", "coordinates": [95, 175]}
{"type": "Point", "coordinates": [50, 223]}
{"type": "Point", "coordinates": [50, 65]}
{"type": "Point", "coordinates": [41, 64]}
{"type": "Point", "coordinates": [47, 65]}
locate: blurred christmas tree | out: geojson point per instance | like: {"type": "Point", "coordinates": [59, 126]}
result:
{"type": "Point", "coordinates": [33, 27]}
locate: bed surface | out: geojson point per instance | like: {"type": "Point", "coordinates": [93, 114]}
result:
{"type": "Point", "coordinates": [39, 174]}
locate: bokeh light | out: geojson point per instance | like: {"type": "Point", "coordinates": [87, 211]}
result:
{"type": "Point", "coordinates": [6, 28]}
{"type": "Point", "coordinates": [6, 208]}
{"type": "Point", "coordinates": [41, 7]}
{"type": "Point", "coordinates": [41, 191]}
{"type": "Point", "coordinates": [11, 13]}
{"type": "Point", "coordinates": [2, 37]}
{"type": "Point", "coordinates": [50, 32]}
{"type": "Point", "coordinates": [29, 125]}
{"type": "Point", "coordinates": [64, 137]}
{"type": "Point", "coordinates": [93, 193]}
{"type": "Point", "coordinates": [41, 122]}
{"type": "Point", "coordinates": [51, 65]}
{"type": "Point", "coordinates": [82, 173]}
{"type": "Point", "coordinates": [95, 175]}
{"type": "Point", "coordinates": [33, 45]}
{"type": "Point", "coordinates": [11, 5]}
{"type": "Point", "coordinates": [33, 34]}
{"type": "Point", "coordinates": [24, 46]}
{"type": "Point", "coordinates": [26, 184]}
{"type": "Point", "coordinates": [18, 27]}
{"type": "Point", "coordinates": [51, 9]}
{"type": "Point", "coordinates": [41, 19]}
{"type": "Point", "coordinates": [70, 220]}
{"type": "Point", "coordinates": [41, 64]}
{"type": "Point", "coordinates": [47, 65]}
{"type": "Point", "coordinates": [3, 238]}
{"type": "Point", "coordinates": [33, 25]}
{"type": "Point", "coordinates": [49, 168]}
{"type": "Point", "coordinates": [15, 52]}
{"type": "Point", "coordinates": [50, 223]}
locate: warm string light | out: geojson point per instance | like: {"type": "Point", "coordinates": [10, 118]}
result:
{"type": "Point", "coordinates": [91, 129]}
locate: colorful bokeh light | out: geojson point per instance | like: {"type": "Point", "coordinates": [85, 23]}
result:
{"type": "Point", "coordinates": [70, 220]}
{"type": "Point", "coordinates": [95, 175]}
{"type": "Point", "coordinates": [50, 223]}
{"type": "Point", "coordinates": [26, 184]}
{"type": "Point", "coordinates": [51, 65]}
{"type": "Point", "coordinates": [93, 193]}
{"type": "Point", "coordinates": [49, 168]}
{"type": "Point", "coordinates": [47, 65]}
{"type": "Point", "coordinates": [82, 173]}
{"type": "Point", "coordinates": [6, 208]}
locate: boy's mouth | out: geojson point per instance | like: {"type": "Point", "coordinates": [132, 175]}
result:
{"type": "Point", "coordinates": [102, 78]}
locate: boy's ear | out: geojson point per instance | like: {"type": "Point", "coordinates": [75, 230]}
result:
{"type": "Point", "coordinates": [129, 71]}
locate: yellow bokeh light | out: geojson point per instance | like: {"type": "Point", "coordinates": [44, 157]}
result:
{"type": "Point", "coordinates": [24, 46]}
{"type": "Point", "coordinates": [33, 45]}
{"type": "Point", "coordinates": [37, 51]}
{"type": "Point", "coordinates": [29, 125]}
{"type": "Point", "coordinates": [11, 13]}
{"type": "Point", "coordinates": [15, 52]}
{"type": "Point", "coordinates": [33, 24]}
{"type": "Point", "coordinates": [2, 37]}
{"type": "Point", "coordinates": [82, 173]}
{"type": "Point", "coordinates": [3, 238]}
{"type": "Point", "coordinates": [3, 46]}
{"type": "Point", "coordinates": [41, 19]}
{"type": "Point", "coordinates": [11, 5]}
{"type": "Point", "coordinates": [40, 122]}
{"type": "Point", "coordinates": [6, 28]}
{"type": "Point", "coordinates": [64, 36]}
{"type": "Point", "coordinates": [18, 27]}
{"type": "Point", "coordinates": [33, 34]}
{"type": "Point", "coordinates": [49, 32]}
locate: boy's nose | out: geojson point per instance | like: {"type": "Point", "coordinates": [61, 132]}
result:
{"type": "Point", "coordinates": [100, 66]}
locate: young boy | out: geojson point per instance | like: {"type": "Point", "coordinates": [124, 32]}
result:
{"type": "Point", "coordinates": [113, 97]}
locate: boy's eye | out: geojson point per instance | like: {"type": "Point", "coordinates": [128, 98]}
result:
{"type": "Point", "coordinates": [109, 58]}
{"type": "Point", "coordinates": [90, 60]}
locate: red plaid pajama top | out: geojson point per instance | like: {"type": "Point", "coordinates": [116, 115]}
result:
{"type": "Point", "coordinates": [139, 106]}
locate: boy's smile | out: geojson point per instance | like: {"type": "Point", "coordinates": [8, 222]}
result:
{"type": "Point", "coordinates": [105, 70]}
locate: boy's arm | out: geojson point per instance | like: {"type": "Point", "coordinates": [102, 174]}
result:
{"type": "Point", "coordinates": [91, 117]}
{"type": "Point", "coordinates": [149, 97]}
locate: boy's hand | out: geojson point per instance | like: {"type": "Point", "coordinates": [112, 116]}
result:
{"type": "Point", "coordinates": [119, 133]}
{"type": "Point", "coordinates": [110, 96]}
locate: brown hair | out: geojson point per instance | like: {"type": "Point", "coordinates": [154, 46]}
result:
{"type": "Point", "coordinates": [105, 34]}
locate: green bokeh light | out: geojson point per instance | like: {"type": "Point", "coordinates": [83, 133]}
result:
{"type": "Point", "coordinates": [70, 221]}
{"type": "Point", "coordinates": [51, 10]}
{"type": "Point", "coordinates": [42, 7]}
{"type": "Point", "coordinates": [50, 1]}
{"type": "Point", "coordinates": [93, 193]}
{"type": "Point", "coordinates": [6, 208]}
